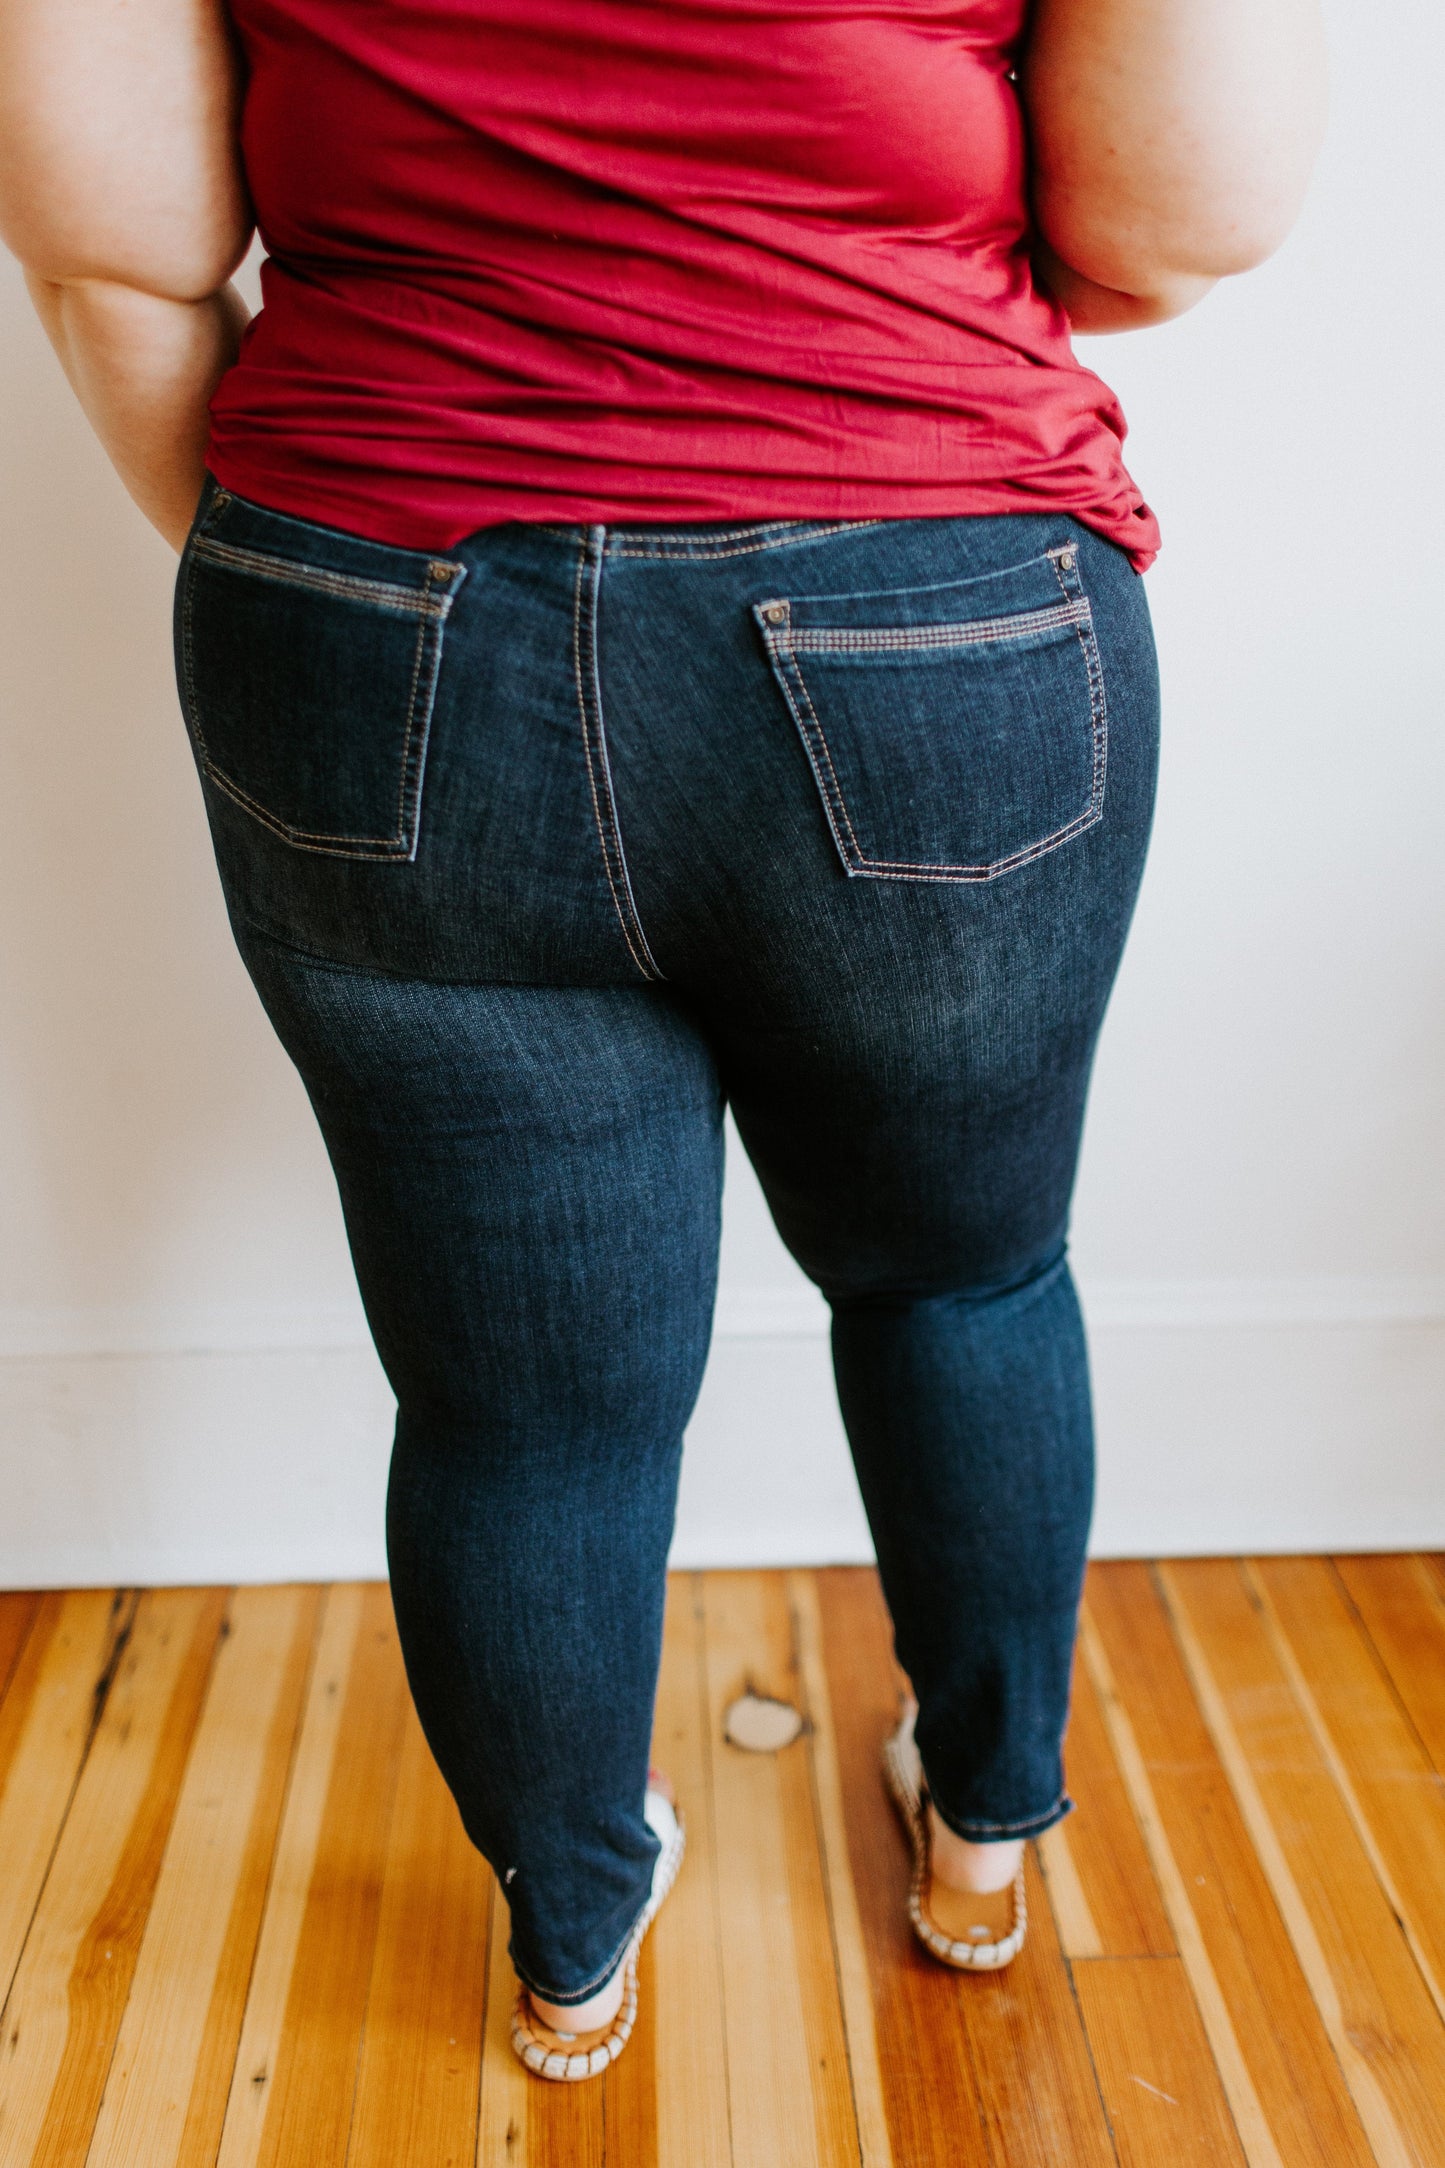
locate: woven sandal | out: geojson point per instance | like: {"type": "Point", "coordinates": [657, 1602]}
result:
{"type": "Point", "coordinates": [974, 1933]}
{"type": "Point", "coordinates": [568, 2056]}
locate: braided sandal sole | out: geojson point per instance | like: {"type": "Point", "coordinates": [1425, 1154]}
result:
{"type": "Point", "coordinates": [904, 1774]}
{"type": "Point", "coordinates": [538, 2054]}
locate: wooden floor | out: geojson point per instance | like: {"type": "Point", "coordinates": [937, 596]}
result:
{"type": "Point", "coordinates": [239, 1923]}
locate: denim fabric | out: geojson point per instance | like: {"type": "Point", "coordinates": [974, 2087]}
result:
{"type": "Point", "coordinates": [541, 851]}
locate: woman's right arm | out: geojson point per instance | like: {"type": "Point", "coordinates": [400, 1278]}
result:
{"type": "Point", "coordinates": [1171, 143]}
{"type": "Point", "coordinates": [121, 193]}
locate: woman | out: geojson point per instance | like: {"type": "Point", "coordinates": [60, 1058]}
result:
{"type": "Point", "coordinates": [658, 626]}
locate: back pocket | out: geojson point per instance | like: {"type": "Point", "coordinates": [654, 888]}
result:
{"type": "Point", "coordinates": [955, 732]}
{"type": "Point", "coordinates": [308, 663]}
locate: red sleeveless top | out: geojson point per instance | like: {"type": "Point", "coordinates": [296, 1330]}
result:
{"type": "Point", "coordinates": [650, 260]}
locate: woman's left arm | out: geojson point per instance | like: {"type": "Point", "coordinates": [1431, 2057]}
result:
{"type": "Point", "coordinates": [121, 193]}
{"type": "Point", "coordinates": [1171, 144]}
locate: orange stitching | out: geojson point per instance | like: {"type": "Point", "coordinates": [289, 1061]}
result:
{"type": "Point", "coordinates": [582, 556]}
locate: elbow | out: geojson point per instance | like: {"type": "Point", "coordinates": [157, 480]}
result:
{"type": "Point", "coordinates": [1237, 232]}
{"type": "Point", "coordinates": [180, 245]}
{"type": "Point", "coordinates": [1175, 205]}
{"type": "Point", "coordinates": [193, 272]}
{"type": "Point", "coordinates": [1158, 250]}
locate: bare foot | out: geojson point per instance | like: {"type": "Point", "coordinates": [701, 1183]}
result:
{"type": "Point", "coordinates": [579, 2017]}
{"type": "Point", "coordinates": [979, 1868]}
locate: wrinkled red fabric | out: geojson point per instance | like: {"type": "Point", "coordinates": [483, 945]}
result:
{"type": "Point", "coordinates": [651, 261]}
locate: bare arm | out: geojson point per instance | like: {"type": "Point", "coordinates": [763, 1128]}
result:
{"type": "Point", "coordinates": [121, 194]}
{"type": "Point", "coordinates": [1172, 141]}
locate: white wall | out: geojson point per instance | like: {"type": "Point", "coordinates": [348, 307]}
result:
{"type": "Point", "coordinates": [184, 1388]}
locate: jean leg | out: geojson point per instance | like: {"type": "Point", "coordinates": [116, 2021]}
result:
{"type": "Point", "coordinates": [531, 1180]}
{"type": "Point", "coordinates": [916, 1130]}
{"type": "Point", "coordinates": [937, 1232]}
{"type": "Point", "coordinates": [908, 1057]}
{"type": "Point", "coordinates": [970, 1423]}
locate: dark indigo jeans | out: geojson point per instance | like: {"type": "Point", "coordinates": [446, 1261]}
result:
{"type": "Point", "coordinates": [541, 850]}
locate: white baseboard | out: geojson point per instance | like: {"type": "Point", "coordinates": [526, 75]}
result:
{"type": "Point", "coordinates": [1269, 1429]}
{"type": "Point", "coordinates": [249, 1445]}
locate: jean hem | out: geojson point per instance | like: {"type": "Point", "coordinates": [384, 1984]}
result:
{"type": "Point", "coordinates": [973, 1831]}
{"type": "Point", "coordinates": [594, 1986]}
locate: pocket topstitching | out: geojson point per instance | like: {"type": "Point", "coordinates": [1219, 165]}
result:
{"type": "Point", "coordinates": [308, 662]}
{"type": "Point", "coordinates": [956, 732]}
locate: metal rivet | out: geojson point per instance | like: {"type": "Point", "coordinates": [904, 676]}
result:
{"type": "Point", "coordinates": [1067, 560]}
{"type": "Point", "coordinates": [776, 612]}
{"type": "Point", "coordinates": [439, 571]}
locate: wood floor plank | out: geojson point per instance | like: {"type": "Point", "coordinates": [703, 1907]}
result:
{"type": "Point", "coordinates": [690, 2039]}
{"type": "Point", "coordinates": [1216, 2014]}
{"type": "Point", "coordinates": [218, 1825]}
{"type": "Point", "coordinates": [57, 1688]}
{"type": "Point", "coordinates": [256, 1882]}
{"type": "Point", "coordinates": [74, 1975]}
{"type": "Point", "coordinates": [1032, 2067]}
{"type": "Point", "coordinates": [1164, 2097]}
{"type": "Point", "coordinates": [787, 2057]}
{"type": "Point", "coordinates": [1101, 1882]}
{"type": "Point", "coordinates": [565, 2125]}
{"type": "Point", "coordinates": [177, 2038]}
{"type": "Point", "coordinates": [849, 1950]}
{"type": "Point", "coordinates": [1401, 1602]}
{"type": "Point", "coordinates": [533, 2121]}
{"type": "Point", "coordinates": [19, 1609]}
{"type": "Point", "coordinates": [506, 2089]}
{"type": "Point", "coordinates": [1281, 2077]}
{"type": "Point", "coordinates": [311, 2093]}
{"type": "Point", "coordinates": [629, 2089]}
{"type": "Point", "coordinates": [416, 2094]}
{"type": "Point", "coordinates": [1381, 2020]}
{"type": "Point", "coordinates": [825, 2017]}
{"type": "Point", "coordinates": [1030, 2072]}
{"type": "Point", "coordinates": [1074, 1923]}
{"type": "Point", "coordinates": [927, 2074]}
{"type": "Point", "coordinates": [1395, 1795]}
{"type": "Point", "coordinates": [258, 2056]}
